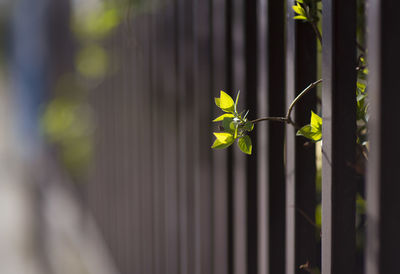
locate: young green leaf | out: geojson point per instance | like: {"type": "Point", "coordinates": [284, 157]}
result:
{"type": "Point", "coordinates": [226, 115]}
{"type": "Point", "coordinates": [219, 145]}
{"type": "Point", "coordinates": [361, 86]}
{"type": "Point", "coordinates": [226, 102]}
{"type": "Point", "coordinates": [299, 10]}
{"type": "Point", "coordinates": [248, 126]}
{"type": "Point", "coordinates": [300, 17]}
{"type": "Point", "coordinates": [223, 137]}
{"type": "Point", "coordinates": [313, 131]}
{"type": "Point", "coordinates": [245, 145]}
{"type": "Point", "coordinates": [236, 131]}
{"type": "Point", "coordinates": [217, 102]}
{"type": "Point", "coordinates": [309, 132]}
{"type": "Point", "coordinates": [316, 121]}
{"type": "Point", "coordinates": [228, 124]}
{"type": "Point", "coordinates": [237, 100]}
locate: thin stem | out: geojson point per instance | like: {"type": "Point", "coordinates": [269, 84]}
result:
{"type": "Point", "coordinates": [275, 119]}
{"type": "Point", "coordinates": [317, 32]}
{"type": "Point", "coordinates": [287, 119]}
{"type": "Point", "coordinates": [304, 92]}
{"type": "Point", "coordinates": [361, 48]}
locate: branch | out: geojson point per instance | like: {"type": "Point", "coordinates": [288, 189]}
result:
{"type": "Point", "coordinates": [317, 32]}
{"type": "Point", "coordinates": [287, 119]}
{"type": "Point", "coordinates": [304, 92]}
{"type": "Point", "coordinates": [275, 119]}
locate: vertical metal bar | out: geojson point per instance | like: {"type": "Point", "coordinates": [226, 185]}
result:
{"type": "Point", "coordinates": [290, 144]}
{"type": "Point", "coordinates": [339, 128]}
{"type": "Point", "coordinates": [220, 161]}
{"type": "Point", "coordinates": [155, 138]}
{"type": "Point", "coordinates": [270, 142]}
{"type": "Point", "coordinates": [239, 165]}
{"type": "Point", "coordinates": [203, 97]}
{"type": "Point", "coordinates": [276, 107]}
{"type": "Point", "coordinates": [158, 153]}
{"type": "Point", "coordinates": [196, 143]}
{"type": "Point", "coordinates": [170, 141]}
{"type": "Point", "coordinates": [145, 135]}
{"type": "Point", "coordinates": [250, 95]}
{"type": "Point", "coordinates": [185, 167]}
{"type": "Point", "coordinates": [300, 159]}
{"type": "Point", "coordinates": [135, 70]}
{"type": "Point", "coordinates": [262, 140]}
{"type": "Point", "coordinates": [383, 189]}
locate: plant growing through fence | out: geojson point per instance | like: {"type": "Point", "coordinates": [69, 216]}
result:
{"type": "Point", "coordinates": [236, 126]}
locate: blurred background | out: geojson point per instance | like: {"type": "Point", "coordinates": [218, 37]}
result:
{"type": "Point", "coordinates": [105, 135]}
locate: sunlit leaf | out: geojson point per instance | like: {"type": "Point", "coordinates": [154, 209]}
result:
{"type": "Point", "coordinates": [236, 131]}
{"type": "Point", "coordinates": [226, 102]}
{"type": "Point", "coordinates": [223, 137]}
{"type": "Point", "coordinates": [316, 121]}
{"type": "Point", "coordinates": [223, 140]}
{"type": "Point", "coordinates": [226, 115]}
{"type": "Point", "coordinates": [237, 100]}
{"type": "Point", "coordinates": [245, 145]}
{"type": "Point", "coordinates": [217, 100]}
{"type": "Point", "coordinates": [300, 17]}
{"type": "Point", "coordinates": [299, 9]}
{"type": "Point", "coordinates": [218, 145]}
{"type": "Point", "coordinates": [361, 86]}
{"type": "Point", "coordinates": [310, 132]}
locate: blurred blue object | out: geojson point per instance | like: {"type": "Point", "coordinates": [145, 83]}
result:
{"type": "Point", "coordinates": [29, 68]}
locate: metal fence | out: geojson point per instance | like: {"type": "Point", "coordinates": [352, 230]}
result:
{"type": "Point", "coordinates": [167, 203]}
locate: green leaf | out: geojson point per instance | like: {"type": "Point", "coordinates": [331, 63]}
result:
{"type": "Point", "coordinates": [309, 132]}
{"type": "Point", "coordinates": [226, 102]}
{"type": "Point", "coordinates": [299, 10]}
{"type": "Point", "coordinates": [219, 145]}
{"type": "Point", "coordinates": [245, 145]}
{"type": "Point", "coordinates": [248, 126]}
{"type": "Point", "coordinates": [226, 115]}
{"type": "Point", "coordinates": [247, 112]}
{"type": "Point", "coordinates": [313, 131]}
{"type": "Point", "coordinates": [223, 138]}
{"type": "Point", "coordinates": [217, 102]}
{"type": "Point", "coordinates": [361, 86]}
{"type": "Point", "coordinates": [237, 100]}
{"type": "Point", "coordinates": [236, 131]}
{"type": "Point", "coordinates": [300, 17]}
{"type": "Point", "coordinates": [316, 121]}
{"type": "Point", "coordinates": [300, 1]}
{"type": "Point", "coordinates": [228, 124]}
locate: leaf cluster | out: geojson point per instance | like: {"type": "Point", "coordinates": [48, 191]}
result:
{"type": "Point", "coordinates": [235, 125]}
{"type": "Point", "coordinates": [312, 131]}
{"type": "Point", "coordinates": [307, 10]}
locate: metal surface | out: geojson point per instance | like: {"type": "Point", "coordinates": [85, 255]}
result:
{"type": "Point", "coordinates": [339, 128]}
{"type": "Point", "coordinates": [300, 158]}
{"type": "Point", "coordinates": [239, 160]}
{"type": "Point", "coordinates": [219, 71]}
{"type": "Point", "coordinates": [383, 188]}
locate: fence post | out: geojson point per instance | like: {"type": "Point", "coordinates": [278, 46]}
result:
{"type": "Point", "coordinates": [339, 128]}
{"type": "Point", "coordinates": [300, 158]}
{"type": "Point", "coordinates": [270, 138]}
{"type": "Point", "coordinates": [383, 188]}
{"type": "Point", "coordinates": [219, 70]}
{"type": "Point", "coordinates": [239, 160]}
